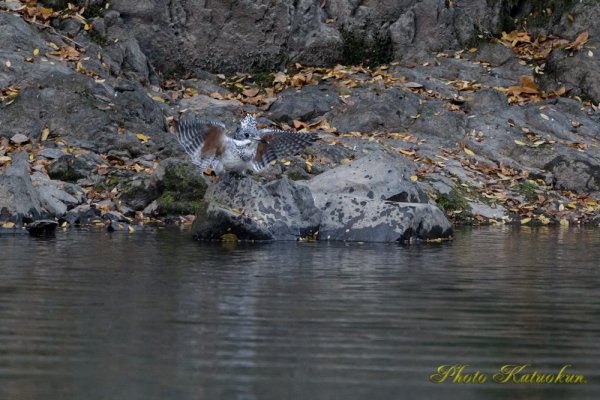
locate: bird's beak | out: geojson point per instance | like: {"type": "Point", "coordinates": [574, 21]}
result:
{"type": "Point", "coordinates": [259, 139]}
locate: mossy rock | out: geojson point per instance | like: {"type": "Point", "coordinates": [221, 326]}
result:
{"type": "Point", "coordinates": [182, 187]}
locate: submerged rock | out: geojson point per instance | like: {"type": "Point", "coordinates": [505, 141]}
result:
{"type": "Point", "coordinates": [240, 206]}
{"type": "Point", "coordinates": [42, 227]}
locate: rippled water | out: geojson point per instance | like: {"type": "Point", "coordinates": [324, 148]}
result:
{"type": "Point", "coordinates": [93, 315]}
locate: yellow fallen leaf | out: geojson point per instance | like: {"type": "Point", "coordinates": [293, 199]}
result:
{"type": "Point", "coordinates": [4, 159]}
{"type": "Point", "coordinates": [131, 230]}
{"type": "Point", "coordinates": [87, 27]}
{"type": "Point", "coordinates": [345, 161]}
{"type": "Point", "coordinates": [36, 52]}
{"type": "Point", "coordinates": [473, 50]}
{"type": "Point", "coordinates": [564, 222]}
{"type": "Point", "coordinates": [525, 221]}
{"type": "Point", "coordinates": [519, 143]}
{"type": "Point", "coordinates": [571, 205]}
{"type": "Point", "coordinates": [229, 237]}
{"type": "Point", "coordinates": [143, 138]}
{"type": "Point", "coordinates": [8, 225]}
{"type": "Point", "coordinates": [45, 134]}
{"type": "Point", "coordinates": [544, 116]}
{"type": "Point", "coordinates": [414, 178]}
{"type": "Point", "coordinates": [469, 151]}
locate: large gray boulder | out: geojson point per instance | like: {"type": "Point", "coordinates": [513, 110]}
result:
{"type": "Point", "coordinates": [241, 206]}
{"type": "Point", "coordinates": [19, 201]}
{"type": "Point", "coordinates": [374, 200]}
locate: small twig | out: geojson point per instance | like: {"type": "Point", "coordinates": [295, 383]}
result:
{"type": "Point", "coordinates": [58, 34]}
{"type": "Point", "coordinates": [48, 26]}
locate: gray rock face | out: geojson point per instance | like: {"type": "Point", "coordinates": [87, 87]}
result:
{"type": "Point", "coordinates": [231, 35]}
{"type": "Point", "coordinates": [54, 95]}
{"type": "Point", "coordinates": [373, 199]}
{"type": "Point", "coordinates": [580, 74]}
{"type": "Point", "coordinates": [375, 177]}
{"type": "Point", "coordinates": [373, 108]}
{"type": "Point", "coordinates": [19, 201]}
{"type": "Point", "coordinates": [279, 210]}
{"type": "Point", "coordinates": [306, 104]}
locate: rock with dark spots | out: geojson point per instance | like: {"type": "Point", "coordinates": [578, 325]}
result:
{"type": "Point", "coordinates": [375, 109]}
{"type": "Point", "coordinates": [137, 194]}
{"type": "Point", "coordinates": [240, 206]}
{"type": "Point", "coordinates": [42, 227]}
{"type": "Point", "coordinates": [577, 72]}
{"type": "Point", "coordinates": [19, 201]}
{"type": "Point", "coordinates": [310, 102]}
{"type": "Point", "coordinates": [581, 175]}
{"type": "Point", "coordinates": [373, 199]}
{"type": "Point", "coordinates": [494, 54]}
{"type": "Point", "coordinates": [69, 168]}
{"type": "Point", "coordinates": [376, 177]}
{"type": "Point", "coordinates": [380, 221]}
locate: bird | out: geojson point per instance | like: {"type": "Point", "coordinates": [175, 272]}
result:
{"type": "Point", "coordinates": [250, 148]}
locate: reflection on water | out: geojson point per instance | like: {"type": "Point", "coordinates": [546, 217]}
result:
{"type": "Point", "coordinates": [93, 315]}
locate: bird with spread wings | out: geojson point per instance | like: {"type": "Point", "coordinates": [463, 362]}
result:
{"type": "Point", "coordinates": [250, 148]}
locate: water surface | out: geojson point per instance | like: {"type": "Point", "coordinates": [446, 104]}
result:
{"type": "Point", "coordinates": [93, 315]}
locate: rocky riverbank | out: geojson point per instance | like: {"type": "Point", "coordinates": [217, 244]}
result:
{"type": "Point", "coordinates": [492, 127]}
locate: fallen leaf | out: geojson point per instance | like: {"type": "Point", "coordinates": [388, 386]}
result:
{"type": "Point", "coordinates": [45, 134]}
{"type": "Point", "coordinates": [345, 161]}
{"type": "Point", "coordinates": [229, 237]}
{"type": "Point", "coordinates": [519, 143]}
{"type": "Point", "coordinates": [251, 92]}
{"type": "Point", "coordinates": [414, 178]}
{"type": "Point", "coordinates": [143, 138]}
{"type": "Point", "coordinates": [469, 151]}
{"type": "Point", "coordinates": [580, 40]}
{"type": "Point", "coordinates": [525, 221]}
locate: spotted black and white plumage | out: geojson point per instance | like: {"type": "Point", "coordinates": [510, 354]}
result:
{"type": "Point", "coordinates": [251, 148]}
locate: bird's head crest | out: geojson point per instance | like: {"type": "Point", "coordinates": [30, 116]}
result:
{"type": "Point", "coordinates": [247, 128]}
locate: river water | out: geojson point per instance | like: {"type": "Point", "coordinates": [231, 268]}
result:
{"type": "Point", "coordinates": [154, 315]}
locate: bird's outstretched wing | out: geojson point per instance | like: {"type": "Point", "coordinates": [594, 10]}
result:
{"type": "Point", "coordinates": [201, 140]}
{"type": "Point", "coordinates": [278, 144]}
